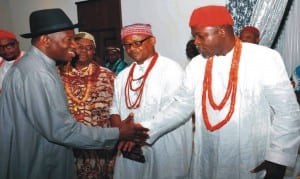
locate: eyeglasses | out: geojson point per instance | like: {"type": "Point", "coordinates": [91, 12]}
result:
{"type": "Point", "coordinates": [8, 45]}
{"type": "Point", "coordinates": [135, 44]}
{"type": "Point", "coordinates": [87, 48]}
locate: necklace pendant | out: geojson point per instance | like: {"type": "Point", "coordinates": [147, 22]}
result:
{"type": "Point", "coordinates": [76, 108]}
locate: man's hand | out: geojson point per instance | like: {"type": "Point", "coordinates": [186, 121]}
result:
{"type": "Point", "coordinates": [129, 131]}
{"type": "Point", "coordinates": [126, 146]}
{"type": "Point", "coordinates": [132, 151]}
{"type": "Point", "coordinates": [274, 171]}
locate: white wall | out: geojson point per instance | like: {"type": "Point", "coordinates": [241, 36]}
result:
{"type": "Point", "coordinates": [4, 15]}
{"type": "Point", "coordinates": [169, 19]}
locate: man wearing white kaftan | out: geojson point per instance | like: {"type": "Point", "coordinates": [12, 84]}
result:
{"type": "Point", "coordinates": [169, 156]}
{"type": "Point", "coordinates": [249, 137]}
{"type": "Point", "coordinates": [244, 81]}
{"type": "Point", "coordinates": [6, 65]}
{"type": "Point", "coordinates": [10, 52]}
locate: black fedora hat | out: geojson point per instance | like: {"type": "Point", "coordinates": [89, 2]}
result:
{"type": "Point", "coordinates": [48, 21]}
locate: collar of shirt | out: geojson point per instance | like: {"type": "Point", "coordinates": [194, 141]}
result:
{"type": "Point", "coordinates": [141, 68]}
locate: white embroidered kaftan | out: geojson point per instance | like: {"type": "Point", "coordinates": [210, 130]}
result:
{"type": "Point", "coordinates": [169, 156]}
{"type": "Point", "coordinates": [264, 126]}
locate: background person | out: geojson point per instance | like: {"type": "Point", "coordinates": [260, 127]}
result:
{"type": "Point", "coordinates": [10, 52]}
{"type": "Point", "coordinates": [114, 60]}
{"type": "Point", "coordinates": [89, 88]}
{"type": "Point", "coordinates": [191, 50]}
{"type": "Point", "coordinates": [36, 128]}
{"type": "Point", "coordinates": [250, 34]}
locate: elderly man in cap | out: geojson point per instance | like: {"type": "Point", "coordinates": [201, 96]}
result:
{"type": "Point", "coordinates": [250, 34]}
{"type": "Point", "coordinates": [10, 52]}
{"type": "Point", "coordinates": [114, 60]}
{"type": "Point", "coordinates": [36, 128]}
{"type": "Point", "coordinates": [234, 88]}
{"type": "Point", "coordinates": [145, 88]}
{"type": "Point", "coordinates": [89, 88]}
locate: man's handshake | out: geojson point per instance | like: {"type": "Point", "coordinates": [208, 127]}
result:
{"type": "Point", "coordinates": [129, 131]}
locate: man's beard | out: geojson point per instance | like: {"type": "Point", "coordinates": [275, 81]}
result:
{"type": "Point", "coordinates": [11, 58]}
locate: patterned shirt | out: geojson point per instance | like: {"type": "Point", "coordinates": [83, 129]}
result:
{"type": "Point", "coordinates": [89, 92]}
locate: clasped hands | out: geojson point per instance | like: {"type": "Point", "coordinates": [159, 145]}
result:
{"type": "Point", "coordinates": [131, 134]}
{"type": "Point", "coordinates": [131, 148]}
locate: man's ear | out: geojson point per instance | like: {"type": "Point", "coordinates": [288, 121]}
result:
{"type": "Point", "coordinates": [45, 39]}
{"type": "Point", "coordinates": [222, 31]}
{"type": "Point", "coordinates": [153, 40]}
